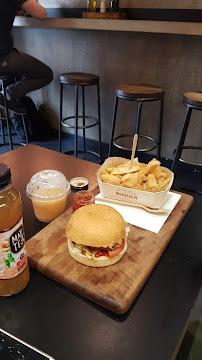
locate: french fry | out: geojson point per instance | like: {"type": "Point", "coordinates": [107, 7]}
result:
{"type": "Point", "coordinates": [125, 177]}
{"type": "Point", "coordinates": [151, 181]}
{"type": "Point", "coordinates": [145, 186]}
{"type": "Point", "coordinates": [157, 173]}
{"type": "Point", "coordinates": [127, 183]}
{"type": "Point", "coordinates": [140, 177]}
{"type": "Point", "coordinates": [135, 162]}
{"type": "Point", "coordinates": [139, 187]}
{"type": "Point", "coordinates": [134, 169]}
{"type": "Point", "coordinates": [163, 184]}
{"type": "Point", "coordinates": [110, 169]}
{"type": "Point", "coordinates": [151, 166]}
{"type": "Point", "coordinates": [105, 172]}
{"type": "Point", "coordinates": [120, 171]}
{"type": "Point", "coordinates": [164, 175]}
{"type": "Point", "coordinates": [125, 170]}
{"type": "Point", "coordinates": [108, 178]}
{"type": "Point", "coordinates": [119, 176]}
{"type": "Point", "coordinates": [133, 179]}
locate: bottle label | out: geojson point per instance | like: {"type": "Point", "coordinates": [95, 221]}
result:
{"type": "Point", "coordinates": [13, 257]}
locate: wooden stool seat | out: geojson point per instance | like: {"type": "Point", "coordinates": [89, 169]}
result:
{"type": "Point", "coordinates": [140, 91]}
{"type": "Point", "coordinates": [193, 98]}
{"type": "Point", "coordinates": [77, 78]}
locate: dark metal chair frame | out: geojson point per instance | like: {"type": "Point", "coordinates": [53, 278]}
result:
{"type": "Point", "coordinates": [184, 129]}
{"type": "Point", "coordinates": [139, 101]}
{"type": "Point", "coordinates": [64, 121]}
{"type": "Point", "coordinates": [6, 118]}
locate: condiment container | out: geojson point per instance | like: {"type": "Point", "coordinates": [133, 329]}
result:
{"type": "Point", "coordinates": [115, 5]}
{"type": "Point", "coordinates": [103, 6]}
{"type": "Point", "coordinates": [91, 5]}
{"type": "Point", "coordinates": [48, 190]}
{"type": "Point", "coordinates": [79, 183]}
{"type": "Point", "coordinates": [83, 198]}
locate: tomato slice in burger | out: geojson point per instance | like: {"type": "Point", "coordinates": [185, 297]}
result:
{"type": "Point", "coordinates": [117, 251]}
{"type": "Point", "coordinates": [101, 253]}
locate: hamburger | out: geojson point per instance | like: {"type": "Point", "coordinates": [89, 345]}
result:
{"type": "Point", "coordinates": [96, 235]}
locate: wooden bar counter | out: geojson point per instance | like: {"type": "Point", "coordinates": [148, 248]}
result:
{"type": "Point", "coordinates": [161, 27]}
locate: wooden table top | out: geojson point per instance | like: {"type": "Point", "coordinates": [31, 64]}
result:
{"type": "Point", "coordinates": [67, 326]}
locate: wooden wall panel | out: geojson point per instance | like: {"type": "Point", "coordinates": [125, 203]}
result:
{"type": "Point", "coordinates": [160, 4]}
{"type": "Point", "coordinates": [171, 61]}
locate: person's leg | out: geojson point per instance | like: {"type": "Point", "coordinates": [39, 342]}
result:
{"type": "Point", "coordinates": [34, 74]}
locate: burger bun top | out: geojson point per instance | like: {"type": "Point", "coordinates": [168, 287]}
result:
{"type": "Point", "coordinates": [97, 226]}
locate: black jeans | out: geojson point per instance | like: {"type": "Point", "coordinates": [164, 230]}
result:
{"type": "Point", "coordinates": [32, 73]}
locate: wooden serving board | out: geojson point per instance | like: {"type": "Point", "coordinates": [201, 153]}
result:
{"type": "Point", "coordinates": [106, 15]}
{"type": "Point", "coordinates": [114, 287]}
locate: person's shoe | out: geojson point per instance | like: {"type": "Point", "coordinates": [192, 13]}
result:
{"type": "Point", "coordinates": [13, 105]}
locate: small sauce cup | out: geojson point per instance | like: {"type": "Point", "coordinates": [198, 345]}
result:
{"type": "Point", "coordinates": [48, 190]}
{"type": "Point", "coordinates": [83, 198]}
{"type": "Point", "coordinates": [79, 184]}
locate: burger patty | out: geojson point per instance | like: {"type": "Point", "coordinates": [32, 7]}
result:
{"type": "Point", "coordinates": [105, 248]}
{"type": "Point", "coordinates": [102, 248]}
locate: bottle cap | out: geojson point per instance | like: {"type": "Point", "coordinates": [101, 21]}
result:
{"type": "Point", "coordinates": [5, 175]}
{"type": "Point", "coordinates": [79, 183]}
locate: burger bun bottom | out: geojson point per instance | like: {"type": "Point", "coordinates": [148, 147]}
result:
{"type": "Point", "coordinates": [99, 262]}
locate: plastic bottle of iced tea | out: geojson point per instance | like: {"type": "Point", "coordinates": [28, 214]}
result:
{"type": "Point", "coordinates": [14, 269]}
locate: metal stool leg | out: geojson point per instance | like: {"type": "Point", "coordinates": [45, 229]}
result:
{"type": "Point", "coordinates": [25, 130]}
{"type": "Point", "coordinates": [99, 123]}
{"type": "Point", "coordinates": [2, 128]}
{"type": "Point", "coordinates": [76, 121]}
{"type": "Point", "coordinates": [113, 125]}
{"type": "Point", "coordinates": [1, 124]}
{"type": "Point", "coordinates": [84, 120]}
{"type": "Point", "coordinates": [160, 128]}
{"type": "Point", "coordinates": [60, 119]}
{"type": "Point", "coordinates": [182, 138]}
{"type": "Point", "coordinates": [138, 117]}
{"type": "Point", "coordinates": [7, 117]}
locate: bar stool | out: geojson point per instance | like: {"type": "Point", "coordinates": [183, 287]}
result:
{"type": "Point", "coordinates": [140, 94]}
{"type": "Point", "coordinates": [3, 79]}
{"type": "Point", "coordinates": [80, 80]}
{"type": "Point", "coordinates": [192, 101]}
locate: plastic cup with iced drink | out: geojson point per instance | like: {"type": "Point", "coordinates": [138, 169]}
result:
{"type": "Point", "coordinates": [48, 190]}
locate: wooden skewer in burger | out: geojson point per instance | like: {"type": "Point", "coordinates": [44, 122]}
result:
{"type": "Point", "coordinates": [96, 235]}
